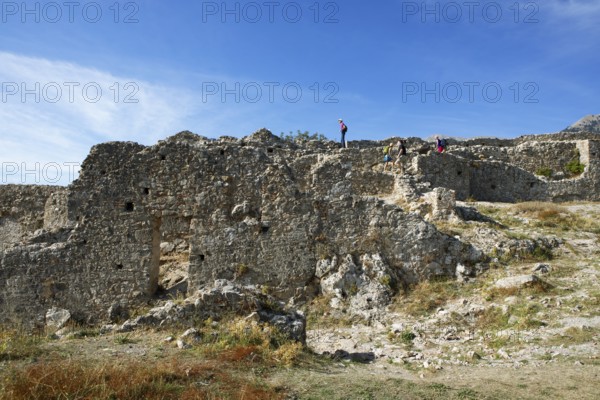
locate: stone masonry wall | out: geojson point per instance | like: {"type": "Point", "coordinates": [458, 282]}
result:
{"type": "Point", "coordinates": [22, 211]}
{"type": "Point", "coordinates": [258, 210]}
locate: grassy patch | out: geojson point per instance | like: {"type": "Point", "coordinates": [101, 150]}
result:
{"type": "Point", "coordinates": [544, 171]}
{"type": "Point", "coordinates": [337, 387]}
{"type": "Point", "coordinates": [84, 333]}
{"type": "Point", "coordinates": [175, 379]}
{"type": "Point", "coordinates": [234, 358]}
{"type": "Point", "coordinates": [539, 214]}
{"type": "Point", "coordinates": [124, 339]}
{"type": "Point", "coordinates": [405, 337]}
{"type": "Point", "coordinates": [534, 289]}
{"type": "Point", "coordinates": [493, 318]}
{"type": "Point", "coordinates": [17, 345]}
{"type": "Point", "coordinates": [427, 296]}
{"type": "Point", "coordinates": [551, 215]}
{"type": "Point", "coordinates": [518, 317]}
{"type": "Point", "coordinates": [320, 315]}
{"type": "Point", "coordinates": [239, 335]}
{"type": "Point", "coordinates": [573, 336]}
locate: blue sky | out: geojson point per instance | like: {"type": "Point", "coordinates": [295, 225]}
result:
{"type": "Point", "coordinates": [78, 73]}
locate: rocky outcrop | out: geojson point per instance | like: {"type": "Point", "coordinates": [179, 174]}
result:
{"type": "Point", "coordinates": [589, 123]}
{"type": "Point", "coordinates": [222, 300]}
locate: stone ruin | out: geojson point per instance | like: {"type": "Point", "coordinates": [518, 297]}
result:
{"type": "Point", "coordinates": [292, 219]}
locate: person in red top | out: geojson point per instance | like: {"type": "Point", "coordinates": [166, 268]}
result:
{"type": "Point", "coordinates": [440, 144]}
{"type": "Point", "coordinates": [343, 130]}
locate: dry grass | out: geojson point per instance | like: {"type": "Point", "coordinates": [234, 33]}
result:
{"type": "Point", "coordinates": [427, 296]}
{"type": "Point", "coordinates": [574, 336]}
{"type": "Point", "coordinates": [320, 315]}
{"type": "Point", "coordinates": [535, 288]}
{"type": "Point", "coordinates": [551, 215]}
{"type": "Point", "coordinates": [265, 342]}
{"type": "Point", "coordinates": [229, 362]}
{"type": "Point", "coordinates": [173, 379]}
{"type": "Point", "coordinates": [523, 317]}
{"type": "Point", "coordinates": [539, 207]}
{"type": "Point", "coordinates": [16, 344]}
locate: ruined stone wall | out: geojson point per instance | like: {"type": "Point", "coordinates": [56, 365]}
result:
{"type": "Point", "coordinates": [531, 156]}
{"type": "Point", "coordinates": [259, 211]}
{"type": "Point", "coordinates": [22, 211]}
{"type": "Point", "coordinates": [445, 170]}
{"type": "Point", "coordinates": [507, 174]}
{"type": "Point", "coordinates": [501, 182]}
{"type": "Point", "coordinates": [590, 156]}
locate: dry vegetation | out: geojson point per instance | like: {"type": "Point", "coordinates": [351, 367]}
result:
{"type": "Point", "coordinates": [131, 379]}
{"type": "Point", "coordinates": [537, 214]}
{"type": "Point", "coordinates": [230, 360]}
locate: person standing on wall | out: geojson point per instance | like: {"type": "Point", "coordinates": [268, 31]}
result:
{"type": "Point", "coordinates": [343, 130]}
{"type": "Point", "coordinates": [440, 144]}
{"type": "Point", "coordinates": [387, 157]}
{"type": "Point", "coordinates": [401, 155]}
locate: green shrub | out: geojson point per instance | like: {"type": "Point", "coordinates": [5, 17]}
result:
{"type": "Point", "coordinates": [574, 167]}
{"type": "Point", "coordinates": [544, 171]}
{"type": "Point", "coordinates": [300, 136]}
{"type": "Point", "coordinates": [407, 337]}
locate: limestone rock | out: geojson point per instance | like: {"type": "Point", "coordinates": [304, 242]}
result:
{"type": "Point", "coordinates": [366, 285]}
{"type": "Point", "coordinates": [542, 268]}
{"type": "Point", "coordinates": [223, 299]}
{"type": "Point", "coordinates": [191, 334]}
{"type": "Point", "coordinates": [517, 281]}
{"type": "Point", "coordinates": [443, 204]}
{"type": "Point", "coordinates": [57, 318]}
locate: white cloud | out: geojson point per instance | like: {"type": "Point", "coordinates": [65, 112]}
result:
{"type": "Point", "coordinates": [40, 128]}
{"type": "Point", "coordinates": [54, 111]}
{"type": "Point", "coordinates": [581, 14]}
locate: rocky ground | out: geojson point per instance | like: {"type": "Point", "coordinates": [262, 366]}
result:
{"type": "Point", "coordinates": [528, 327]}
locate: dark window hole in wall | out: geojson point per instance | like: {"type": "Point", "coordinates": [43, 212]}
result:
{"type": "Point", "coordinates": [102, 172]}
{"type": "Point", "coordinates": [459, 173]}
{"type": "Point", "coordinates": [493, 187]}
{"type": "Point", "coordinates": [264, 230]}
{"type": "Point", "coordinates": [146, 191]}
{"type": "Point", "coordinates": [163, 157]}
{"type": "Point", "coordinates": [222, 152]}
{"type": "Point", "coordinates": [119, 266]}
{"type": "Point", "coordinates": [129, 207]}
{"type": "Point", "coordinates": [201, 257]}
{"type": "Point", "coordinates": [270, 150]}
{"type": "Point", "coordinates": [532, 184]}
